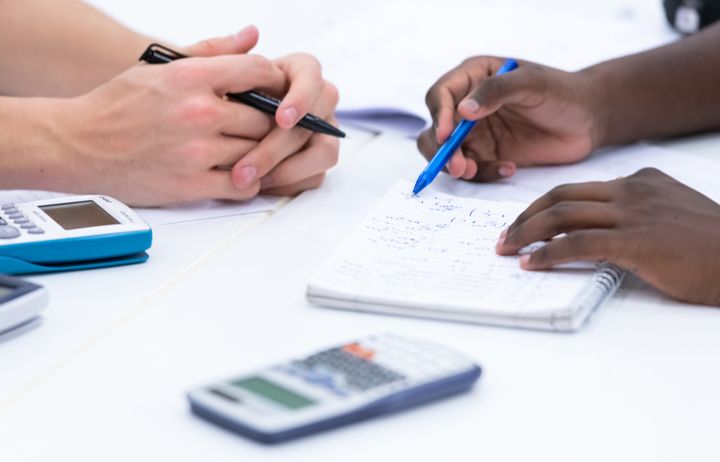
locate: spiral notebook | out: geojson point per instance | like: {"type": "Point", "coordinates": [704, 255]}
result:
{"type": "Point", "coordinates": [433, 256]}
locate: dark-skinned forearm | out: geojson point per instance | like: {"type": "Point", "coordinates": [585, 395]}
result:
{"type": "Point", "coordinates": [667, 91]}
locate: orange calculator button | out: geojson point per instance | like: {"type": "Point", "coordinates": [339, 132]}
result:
{"type": "Point", "coordinates": [357, 350]}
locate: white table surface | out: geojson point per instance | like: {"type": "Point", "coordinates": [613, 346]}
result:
{"type": "Point", "coordinates": [639, 382]}
{"type": "Point", "coordinates": [104, 377]}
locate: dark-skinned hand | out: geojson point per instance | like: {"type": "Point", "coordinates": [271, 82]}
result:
{"type": "Point", "coordinates": [649, 223]}
{"type": "Point", "coordinates": [534, 115]}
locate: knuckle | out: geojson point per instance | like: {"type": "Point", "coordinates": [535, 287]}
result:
{"type": "Point", "coordinates": [317, 180]}
{"type": "Point", "coordinates": [306, 61]}
{"type": "Point", "coordinates": [557, 193]}
{"type": "Point", "coordinates": [647, 171]}
{"type": "Point", "coordinates": [637, 187]}
{"type": "Point", "coordinates": [195, 152]}
{"type": "Point", "coordinates": [312, 61]}
{"type": "Point", "coordinates": [574, 242]}
{"type": "Point", "coordinates": [258, 63]}
{"type": "Point", "coordinates": [430, 95]}
{"type": "Point", "coordinates": [432, 98]}
{"type": "Point", "coordinates": [199, 112]}
{"type": "Point", "coordinates": [331, 93]}
{"type": "Point", "coordinates": [534, 69]}
{"type": "Point", "coordinates": [186, 72]}
{"type": "Point", "coordinates": [420, 142]}
{"type": "Point", "coordinates": [561, 210]}
{"type": "Point", "coordinates": [470, 62]}
{"type": "Point", "coordinates": [425, 143]}
{"type": "Point", "coordinates": [331, 154]}
{"type": "Point", "coordinates": [204, 48]}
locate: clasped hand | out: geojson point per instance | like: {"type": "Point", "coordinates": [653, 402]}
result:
{"type": "Point", "coordinates": [160, 134]}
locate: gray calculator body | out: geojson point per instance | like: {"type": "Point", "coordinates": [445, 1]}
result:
{"type": "Point", "coordinates": [369, 377]}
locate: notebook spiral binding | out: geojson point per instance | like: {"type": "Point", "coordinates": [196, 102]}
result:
{"type": "Point", "coordinates": [605, 281]}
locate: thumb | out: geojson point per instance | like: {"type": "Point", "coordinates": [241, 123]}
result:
{"type": "Point", "coordinates": [238, 43]}
{"type": "Point", "coordinates": [494, 92]}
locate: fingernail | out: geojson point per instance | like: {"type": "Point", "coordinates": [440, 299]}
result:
{"type": "Point", "coordinates": [525, 261]}
{"type": "Point", "coordinates": [290, 114]}
{"type": "Point", "coordinates": [506, 171]}
{"type": "Point", "coordinates": [470, 105]}
{"type": "Point", "coordinates": [265, 181]}
{"type": "Point", "coordinates": [248, 173]}
{"type": "Point", "coordinates": [243, 34]}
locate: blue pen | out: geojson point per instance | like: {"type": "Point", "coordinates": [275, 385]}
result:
{"type": "Point", "coordinates": [453, 142]}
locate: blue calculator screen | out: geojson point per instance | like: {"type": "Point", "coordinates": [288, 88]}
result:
{"type": "Point", "coordinates": [75, 215]}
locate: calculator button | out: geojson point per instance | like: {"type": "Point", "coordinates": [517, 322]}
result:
{"type": "Point", "coordinates": [8, 206]}
{"type": "Point", "coordinates": [16, 215]}
{"type": "Point", "coordinates": [28, 225]}
{"type": "Point", "coordinates": [20, 221]}
{"type": "Point", "coordinates": [35, 231]}
{"type": "Point", "coordinates": [9, 232]}
{"type": "Point", "coordinates": [359, 350]}
{"type": "Point", "coordinates": [356, 372]}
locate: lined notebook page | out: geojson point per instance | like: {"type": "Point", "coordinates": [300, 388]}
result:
{"type": "Point", "coordinates": [437, 251]}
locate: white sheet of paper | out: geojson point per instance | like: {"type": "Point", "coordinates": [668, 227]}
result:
{"type": "Point", "coordinates": [529, 183]}
{"type": "Point", "coordinates": [193, 211]}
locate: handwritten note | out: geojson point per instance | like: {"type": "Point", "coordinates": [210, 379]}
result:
{"type": "Point", "coordinates": [438, 250]}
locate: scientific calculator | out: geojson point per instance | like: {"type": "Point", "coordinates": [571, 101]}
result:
{"type": "Point", "coordinates": [365, 378]}
{"type": "Point", "coordinates": [69, 233]}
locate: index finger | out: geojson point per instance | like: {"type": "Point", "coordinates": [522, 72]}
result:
{"type": "Point", "coordinates": [443, 97]}
{"type": "Point", "coordinates": [237, 73]}
{"type": "Point", "coordinates": [303, 72]}
{"type": "Point", "coordinates": [597, 191]}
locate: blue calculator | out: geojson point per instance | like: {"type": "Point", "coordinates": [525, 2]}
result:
{"type": "Point", "coordinates": [369, 377]}
{"type": "Point", "coordinates": [70, 233]}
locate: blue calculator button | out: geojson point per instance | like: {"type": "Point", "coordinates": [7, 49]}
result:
{"type": "Point", "coordinates": [28, 225]}
{"type": "Point", "coordinates": [35, 231]}
{"type": "Point", "coordinates": [21, 221]}
{"type": "Point", "coordinates": [9, 232]}
{"type": "Point", "coordinates": [15, 216]}
{"type": "Point", "coordinates": [8, 206]}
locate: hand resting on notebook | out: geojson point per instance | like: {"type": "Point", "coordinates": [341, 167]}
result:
{"type": "Point", "coordinates": [649, 223]}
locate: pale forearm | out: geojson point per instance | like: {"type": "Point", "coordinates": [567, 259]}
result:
{"type": "Point", "coordinates": [61, 47]}
{"type": "Point", "coordinates": [32, 153]}
{"type": "Point", "coordinates": [664, 92]}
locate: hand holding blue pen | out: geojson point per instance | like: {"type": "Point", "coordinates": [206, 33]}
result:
{"type": "Point", "coordinates": [453, 142]}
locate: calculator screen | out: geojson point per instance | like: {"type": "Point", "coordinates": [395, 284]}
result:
{"type": "Point", "coordinates": [273, 392]}
{"type": "Point", "coordinates": [75, 215]}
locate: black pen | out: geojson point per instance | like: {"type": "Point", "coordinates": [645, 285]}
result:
{"type": "Point", "coordinates": [158, 54]}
